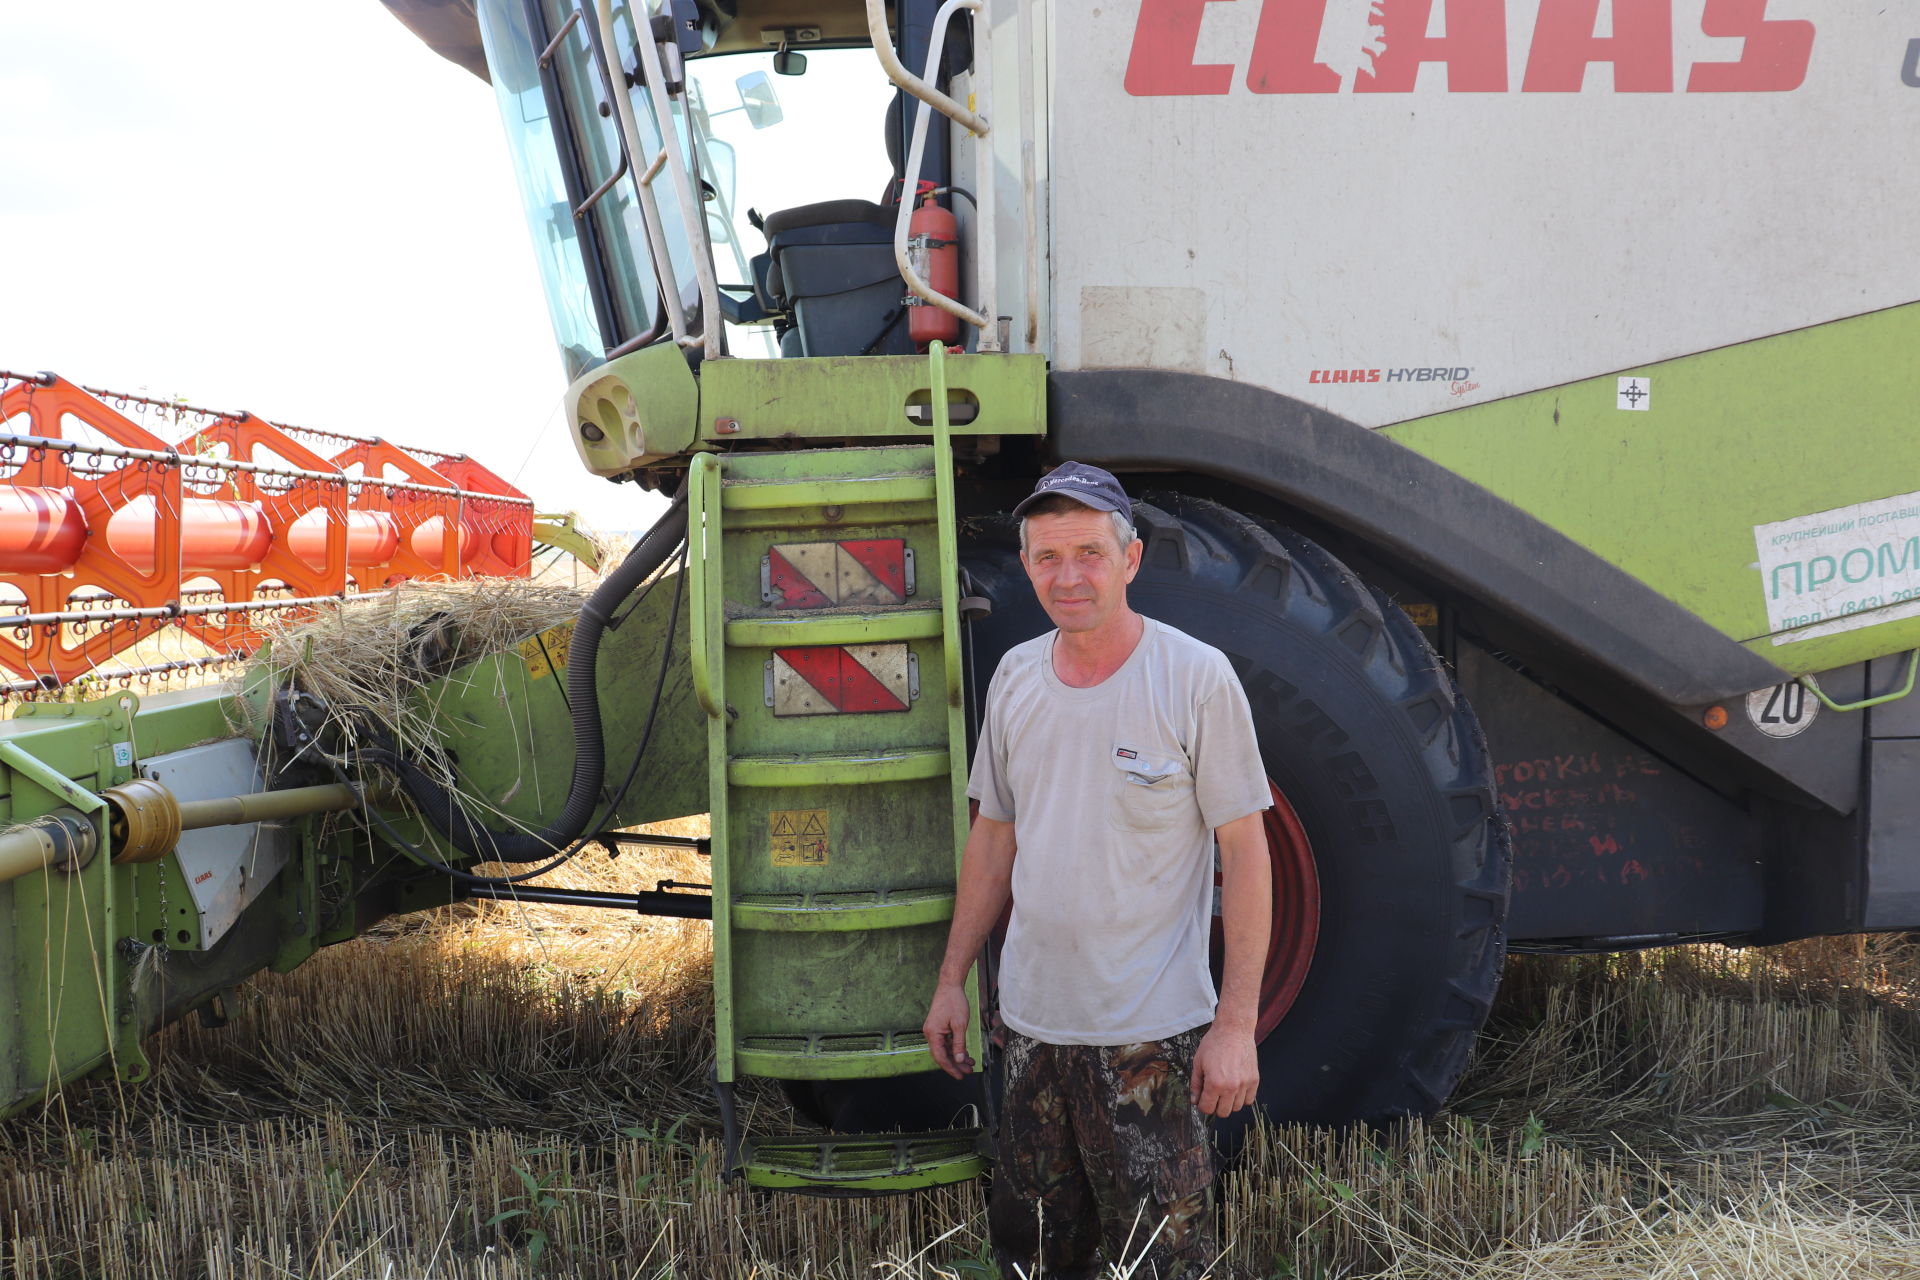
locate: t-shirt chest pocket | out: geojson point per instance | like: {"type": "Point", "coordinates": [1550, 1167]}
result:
{"type": "Point", "coordinates": [1152, 789]}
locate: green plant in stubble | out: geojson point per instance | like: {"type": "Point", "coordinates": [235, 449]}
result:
{"type": "Point", "coordinates": [668, 1143]}
{"type": "Point", "coordinates": [335, 1182]}
{"type": "Point", "coordinates": [1533, 1136]}
{"type": "Point", "coordinates": [535, 1212]}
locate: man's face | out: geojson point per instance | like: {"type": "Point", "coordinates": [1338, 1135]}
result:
{"type": "Point", "coordinates": [1078, 568]}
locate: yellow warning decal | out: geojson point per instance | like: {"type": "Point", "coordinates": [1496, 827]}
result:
{"type": "Point", "coordinates": [547, 652]}
{"type": "Point", "coordinates": [798, 837]}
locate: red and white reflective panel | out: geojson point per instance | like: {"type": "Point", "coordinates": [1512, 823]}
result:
{"type": "Point", "coordinates": [829, 680]}
{"type": "Point", "coordinates": [820, 575]}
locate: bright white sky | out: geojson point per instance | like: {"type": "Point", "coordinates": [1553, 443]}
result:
{"type": "Point", "coordinates": [294, 209]}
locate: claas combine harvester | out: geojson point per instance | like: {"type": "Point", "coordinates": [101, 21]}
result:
{"type": "Point", "coordinates": [1520, 392]}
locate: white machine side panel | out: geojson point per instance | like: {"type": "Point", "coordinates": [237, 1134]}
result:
{"type": "Point", "coordinates": [226, 868]}
{"type": "Point", "coordinates": [1015, 107]}
{"type": "Point", "coordinates": [1394, 208]}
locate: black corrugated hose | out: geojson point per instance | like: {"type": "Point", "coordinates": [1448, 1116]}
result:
{"type": "Point", "coordinates": [439, 806]}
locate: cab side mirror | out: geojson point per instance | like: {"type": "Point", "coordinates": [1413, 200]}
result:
{"type": "Point", "coordinates": [758, 99]}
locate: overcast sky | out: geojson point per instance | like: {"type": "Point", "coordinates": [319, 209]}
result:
{"type": "Point", "coordinates": [296, 209]}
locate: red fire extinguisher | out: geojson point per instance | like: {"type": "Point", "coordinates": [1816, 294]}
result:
{"type": "Point", "coordinates": [933, 249]}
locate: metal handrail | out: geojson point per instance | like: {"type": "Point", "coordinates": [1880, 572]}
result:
{"type": "Point", "coordinates": [691, 212]}
{"type": "Point", "coordinates": [704, 655]}
{"type": "Point", "coordinates": [1913, 669]}
{"type": "Point", "coordinates": [916, 155]}
{"type": "Point", "coordinates": [948, 523]}
{"type": "Point", "coordinates": [919, 88]}
{"type": "Point", "coordinates": [548, 54]}
{"type": "Point", "coordinates": [642, 178]}
{"type": "Point", "coordinates": [986, 263]}
{"type": "Point", "coordinates": [599, 193]}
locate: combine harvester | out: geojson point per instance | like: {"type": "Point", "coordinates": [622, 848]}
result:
{"type": "Point", "coordinates": [1521, 392]}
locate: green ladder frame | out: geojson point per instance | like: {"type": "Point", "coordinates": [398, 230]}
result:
{"type": "Point", "coordinates": [836, 837]}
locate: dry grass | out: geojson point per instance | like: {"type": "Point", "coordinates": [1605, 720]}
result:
{"type": "Point", "coordinates": [378, 1110]}
{"type": "Point", "coordinates": [1777, 1235]}
{"type": "Point", "coordinates": [1692, 1113]}
{"type": "Point", "coordinates": [371, 660]}
{"type": "Point", "coordinates": [502, 1090]}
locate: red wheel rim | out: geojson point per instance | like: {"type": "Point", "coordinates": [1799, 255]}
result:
{"type": "Point", "coordinates": [1296, 914]}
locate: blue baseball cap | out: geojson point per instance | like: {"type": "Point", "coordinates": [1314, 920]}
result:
{"type": "Point", "coordinates": [1087, 485]}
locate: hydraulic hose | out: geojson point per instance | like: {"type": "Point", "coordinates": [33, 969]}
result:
{"type": "Point", "coordinates": [440, 807]}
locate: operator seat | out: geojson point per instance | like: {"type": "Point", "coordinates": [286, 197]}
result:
{"type": "Point", "coordinates": [830, 267]}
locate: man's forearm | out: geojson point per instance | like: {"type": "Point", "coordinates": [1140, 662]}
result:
{"type": "Point", "coordinates": [1246, 919]}
{"type": "Point", "coordinates": [986, 885]}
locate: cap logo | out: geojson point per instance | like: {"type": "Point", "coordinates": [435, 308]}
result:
{"type": "Point", "coordinates": [1084, 484]}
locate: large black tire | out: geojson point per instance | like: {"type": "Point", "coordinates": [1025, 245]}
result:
{"type": "Point", "coordinates": [1361, 730]}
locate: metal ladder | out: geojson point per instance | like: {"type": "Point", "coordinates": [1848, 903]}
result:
{"type": "Point", "coordinates": [826, 654]}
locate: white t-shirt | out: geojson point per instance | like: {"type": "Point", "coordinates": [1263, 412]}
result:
{"type": "Point", "coordinates": [1113, 793]}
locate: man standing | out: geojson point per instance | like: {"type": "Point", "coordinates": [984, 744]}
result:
{"type": "Point", "coordinates": [1116, 751]}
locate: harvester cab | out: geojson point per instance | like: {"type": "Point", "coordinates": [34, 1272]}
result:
{"type": "Point", "coordinates": [756, 193]}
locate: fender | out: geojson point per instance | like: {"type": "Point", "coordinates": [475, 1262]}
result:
{"type": "Point", "coordinates": [1429, 518]}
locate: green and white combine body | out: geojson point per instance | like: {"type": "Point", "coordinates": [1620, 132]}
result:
{"type": "Point", "coordinates": [1520, 393]}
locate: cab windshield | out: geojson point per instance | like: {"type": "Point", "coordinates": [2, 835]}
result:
{"type": "Point", "coordinates": [752, 140]}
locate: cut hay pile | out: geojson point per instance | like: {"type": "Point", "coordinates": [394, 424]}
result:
{"type": "Point", "coordinates": [370, 659]}
{"type": "Point", "coordinates": [507, 1090]}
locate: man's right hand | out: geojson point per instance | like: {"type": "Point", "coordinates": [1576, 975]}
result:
{"type": "Point", "coordinates": [986, 882]}
{"type": "Point", "coordinates": [946, 1030]}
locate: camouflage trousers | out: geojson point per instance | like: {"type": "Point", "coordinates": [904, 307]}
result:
{"type": "Point", "coordinates": [1103, 1157]}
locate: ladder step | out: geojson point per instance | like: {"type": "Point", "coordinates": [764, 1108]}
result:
{"type": "Point", "coordinates": [840, 768]}
{"type": "Point", "coordinates": [763, 495]}
{"type": "Point", "coordinates": [856, 909]}
{"type": "Point", "coordinates": [861, 1164]}
{"type": "Point", "coordinates": [838, 1056]}
{"type": "Point", "coordinates": [844, 628]}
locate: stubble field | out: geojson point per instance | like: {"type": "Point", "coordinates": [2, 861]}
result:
{"type": "Point", "coordinates": [505, 1091]}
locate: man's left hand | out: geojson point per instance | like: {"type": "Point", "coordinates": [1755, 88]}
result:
{"type": "Point", "coordinates": [1226, 1071]}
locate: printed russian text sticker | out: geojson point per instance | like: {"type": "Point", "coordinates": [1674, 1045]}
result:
{"type": "Point", "coordinates": [1840, 570]}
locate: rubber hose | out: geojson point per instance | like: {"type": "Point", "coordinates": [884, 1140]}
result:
{"type": "Point", "coordinates": [439, 806]}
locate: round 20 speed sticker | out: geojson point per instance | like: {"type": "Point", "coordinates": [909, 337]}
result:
{"type": "Point", "coordinates": [1782, 711]}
